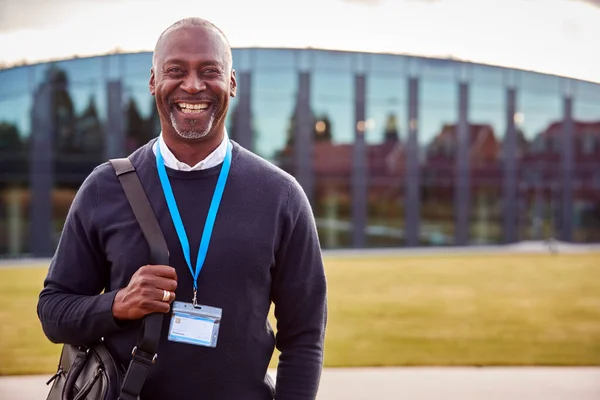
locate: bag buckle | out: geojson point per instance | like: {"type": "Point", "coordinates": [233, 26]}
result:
{"type": "Point", "coordinates": [135, 355]}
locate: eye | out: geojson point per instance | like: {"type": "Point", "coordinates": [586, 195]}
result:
{"type": "Point", "coordinates": [211, 71]}
{"type": "Point", "coordinates": [175, 71]}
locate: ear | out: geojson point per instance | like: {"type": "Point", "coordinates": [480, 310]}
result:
{"type": "Point", "coordinates": [151, 84]}
{"type": "Point", "coordinates": [233, 84]}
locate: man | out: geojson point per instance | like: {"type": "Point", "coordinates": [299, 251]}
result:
{"type": "Point", "coordinates": [263, 248]}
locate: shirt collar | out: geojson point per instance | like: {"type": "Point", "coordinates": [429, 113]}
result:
{"type": "Point", "coordinates": [212, 160]}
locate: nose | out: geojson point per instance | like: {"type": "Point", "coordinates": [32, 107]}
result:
{"type": "Point", "coordinates": [193, 84]}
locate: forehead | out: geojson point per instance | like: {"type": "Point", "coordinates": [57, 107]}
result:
{"type": "Point", "coordinates": [192, 43]}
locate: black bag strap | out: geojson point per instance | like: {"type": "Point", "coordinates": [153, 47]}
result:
{"type": "Point", "coordinates": [145, 352]}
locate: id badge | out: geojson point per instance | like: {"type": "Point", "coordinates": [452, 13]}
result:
{"type": "Point", "coordinates": [197, 325]}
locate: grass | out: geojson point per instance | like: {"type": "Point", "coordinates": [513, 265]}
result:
{"type": "Point", "coordinates": [432, 310]}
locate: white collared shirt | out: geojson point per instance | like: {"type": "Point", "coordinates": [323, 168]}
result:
{"type": "Point", "coordinates": [212, 160]}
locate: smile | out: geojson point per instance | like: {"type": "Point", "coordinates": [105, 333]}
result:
{"type": "Point", "coordinates": [189, 108]}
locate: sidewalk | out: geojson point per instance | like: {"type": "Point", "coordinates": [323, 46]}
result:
{"type": "Point", "coordinates": [527, 383]}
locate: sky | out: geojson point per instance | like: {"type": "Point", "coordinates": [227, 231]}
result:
{"type": "Point", "coordinates": [553, 36]}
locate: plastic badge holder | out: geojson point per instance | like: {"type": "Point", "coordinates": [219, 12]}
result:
{"type": "Point", "coordinates": [197, 325]}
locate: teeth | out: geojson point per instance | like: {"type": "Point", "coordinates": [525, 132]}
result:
{"type": "Point", "coordinates": [191, 111]}
{"type": "Point", "coordinates": [188, 106]}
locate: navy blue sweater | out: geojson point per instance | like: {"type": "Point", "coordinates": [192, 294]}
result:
{"type": "Point", "coordinates": [264, 249]}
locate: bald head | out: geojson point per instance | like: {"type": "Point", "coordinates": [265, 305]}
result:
{"type": "Point", "coordinates": [188, 23]}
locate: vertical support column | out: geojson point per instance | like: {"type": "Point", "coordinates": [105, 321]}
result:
{"type": "Point", "coordinates": [567, 169]}
{"type": "Point", "coordinates": [245, 136]}
{"type": "Point", "coordinates": [41, 158]}
{"type": "Point", "coordinates": [14, 218]}
{"type": "Point", "coordinates": [462, 182]}
{"type": "Point", "coordinates": [510, 201]}
{"type": "Point", "coordinates": [413, 174]}
{"type": "Point", "coordinates": [114, 144]}
{"type": "Point", "coordinates": [359, 166]}
{"type": "Point", "coordinates": [303, 137]}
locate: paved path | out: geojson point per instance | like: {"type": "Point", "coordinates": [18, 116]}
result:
{"type": "Point", "coordinates": [413, 383]}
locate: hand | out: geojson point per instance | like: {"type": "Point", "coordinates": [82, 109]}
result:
{"type": "Point", "coordinates": [143, 295]}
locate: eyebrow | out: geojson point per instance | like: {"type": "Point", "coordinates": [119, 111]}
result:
{"type": "Point", "coordinates": [176, 60]}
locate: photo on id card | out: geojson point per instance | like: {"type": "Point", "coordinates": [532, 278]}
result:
{"type": "Point", "coordinates": [197, 325]}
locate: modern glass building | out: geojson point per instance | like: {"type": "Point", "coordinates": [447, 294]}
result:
{"type": "Point", "coordinates": [391, 150]}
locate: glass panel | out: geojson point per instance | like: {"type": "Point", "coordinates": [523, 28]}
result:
{"type": "Point", "coordinates": [486, 75]}
{"type": "Point", "coordinates": [387, 63]}
{"type": "Point", "coordinates": [487, 129]}
{"type": "Point", "coordinates": [273, 105]}
{"type": "Point", "coordinates": [533, 82]}
{"type": "Point", "coordinates": [437, 69]}
{"type": "Point", "coordinates": [386, 111]}
{"type": "Point", "coordinates": [231, 118]}
{"type": "Point", "coordinates": [113, 66]}
{"type": "Point", "coordinates": [243, 59]}
{"type": "Point", "coordinates": [241, 65]}
{"type": "Point", "coordinates": [332, 99]}
{"type": "Point", "coordinates": [271, 58]}
{"type": "Point", "coordinates": [539, 130]}
{"type": "Point", "coordinates": [332, 60]}
{"type": "Point", "coordinates": [141, 117]}
{"type": "Point", "coordinates": [586, 188]}
{"type": "Point", "coordinates": [136, 65]}
{"type": "Point", "coordinates": [79, 112]}
{"type": "Point", "coordinates": [15, 131]}
{"type": "Point", "coordinates": [438, 108]}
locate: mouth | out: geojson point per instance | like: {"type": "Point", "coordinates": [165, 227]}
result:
{"type": "Point", "coordinates": [193, 108]}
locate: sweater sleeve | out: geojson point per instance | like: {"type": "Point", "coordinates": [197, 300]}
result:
{"type": "Point", "coordinates": [299, 295]}
{"type": "Point", "coordinates": [71, 306]}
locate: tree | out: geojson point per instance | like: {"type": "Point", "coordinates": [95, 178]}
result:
{"type": "Point", "coordinates": [10, 140]}
{"type": "Point", "coordinates": [391, 133]}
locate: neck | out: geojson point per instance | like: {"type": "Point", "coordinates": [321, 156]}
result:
{"type": "Point", "coordinates": [192, 152]}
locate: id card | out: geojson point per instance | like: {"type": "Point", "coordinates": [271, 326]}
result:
{"type": "Point", "coordinates": [197, 325]}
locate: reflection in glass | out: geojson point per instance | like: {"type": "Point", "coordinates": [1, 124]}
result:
{"type": "Point", "coordinates": [13, 191]}
{"type": "Point", "coordinates": [586, 146]}
{"type": "Point", "coordinates": [438, 145]}
{"type": "Point", "coordinates": [15, 131]}
{"type": "Point", "coordinates": [386, 109]}
{"type": "Point", "coordinates": [141, 117]}
{"type": "Point", "coordinates": [139, 130]}
{"type": "Point", "coordinates": [487, 129]}
{"type": "Point", "coordinates": [14, 217]}
{"type": "Point", "coordinates": [332, 99]}
{"type": "Point", "coordinates": [232, 120]}
{"type": "Point", "coordinates": [273, 114]}
{"type": "Point", "coordinates": [79, 119]}
{"type": "Point", "coordinates": [539, 134]}
{"type": "Point", "coordinates": [79, 139]}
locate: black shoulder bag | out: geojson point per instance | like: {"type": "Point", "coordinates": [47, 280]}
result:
{"type": "Point", "coordinates": [90, 372]}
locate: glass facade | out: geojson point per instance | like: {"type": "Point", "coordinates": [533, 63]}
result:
{"type": "Point", "coordinates": [391, 150]}
{"type": "Point", "coordinates": [386, 103]}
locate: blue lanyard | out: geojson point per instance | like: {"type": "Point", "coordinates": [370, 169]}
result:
{"type": "Point", "coordinates": [210, 219]}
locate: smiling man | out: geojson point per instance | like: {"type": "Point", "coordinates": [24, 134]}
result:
{"type": "Point", "coordinates": [257, 246]}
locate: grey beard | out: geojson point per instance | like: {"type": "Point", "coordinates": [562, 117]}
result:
{"type": "Point", "coordinates": [192, 134]}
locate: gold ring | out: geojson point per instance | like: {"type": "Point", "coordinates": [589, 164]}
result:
{"type": "Point", "coordinates": [166, 295]}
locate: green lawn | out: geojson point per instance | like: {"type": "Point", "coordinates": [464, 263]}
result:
{"type": "Point", "coordinates": [431, 310]}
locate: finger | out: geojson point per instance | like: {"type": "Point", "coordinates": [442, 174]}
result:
{"type": "Point", "coordinates": [172, 297]}
{"type": "Point", "coordinates": [149, 306]}
{"type": "Point", "coordinates": [164, 283]}
{"type": "Point", "coordinates": [164, 271]}
{"type": "Point", "coordinates": [159, 306]}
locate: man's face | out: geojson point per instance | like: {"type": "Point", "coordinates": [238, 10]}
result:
{"type": "Point", "coordinates": [192, 81]}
